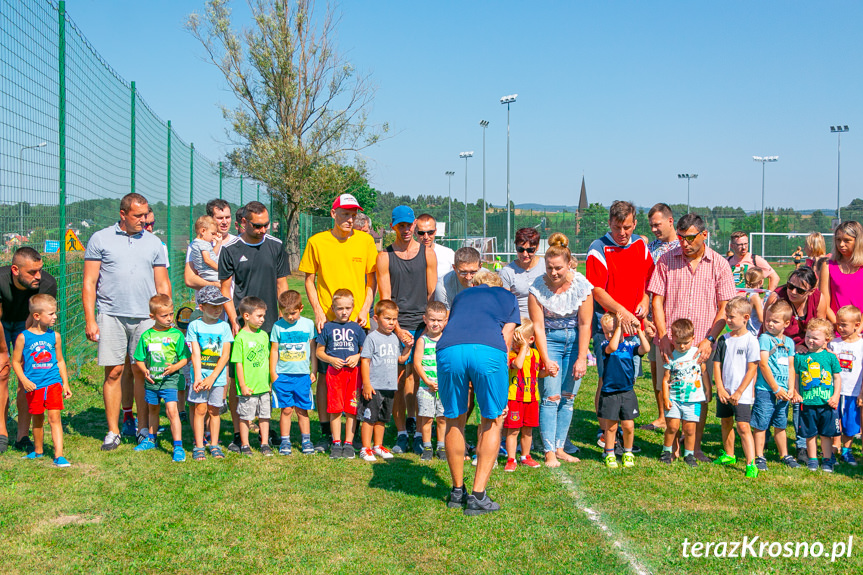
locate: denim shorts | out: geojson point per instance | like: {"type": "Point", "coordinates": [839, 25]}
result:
{"type": "Point", "coordinates": [154, 395]}
{"type": "Point", "coordinates": [684, 410]}
{"type": "Point", "coordinates": [768, 411]}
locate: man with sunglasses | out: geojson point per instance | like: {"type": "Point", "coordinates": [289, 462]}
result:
{"type": "Point", "coordinates": [256, 265]}
{"type": "Point", "coordinates": [742, 259]}
{"type": "Point", "coordinates": [426, 230]}
{"type": "Point", "coordinates": [466, 263]}
{"type": "Point", "coordinates": [694, 282]}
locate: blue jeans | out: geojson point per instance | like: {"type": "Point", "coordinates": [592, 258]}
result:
{"type": "Point", "coordinates": [795, 418]}
{"type": "Point", "coordinates": [555, 415]}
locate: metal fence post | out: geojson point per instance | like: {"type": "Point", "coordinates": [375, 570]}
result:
{"type": "Point", "coordinates": [132, 143]}
{"type": "Point", "coordinates": [61, 129]}
{"type": "Point", "coordinates": [259, 192]}
{"type": "Point", "coordinates": [170, 227]}
{"type": "Point", "coordinates": [241, 189]}
{"type": "Point", "coordinates": [192, 191]}
{"type": "Point", "coordinates": [220, 180]}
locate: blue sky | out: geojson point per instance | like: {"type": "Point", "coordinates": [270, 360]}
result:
{"type": "Point", "coordinates": [628, 94]}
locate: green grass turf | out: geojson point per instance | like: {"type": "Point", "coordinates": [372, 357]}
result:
{"type": "Point", "coordinates": [140, 513]}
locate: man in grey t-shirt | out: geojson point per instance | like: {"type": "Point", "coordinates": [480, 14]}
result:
{"type": "Point", "coordinates": [124, 266]}
{"type": "Point", "coordinates": [466, 264]}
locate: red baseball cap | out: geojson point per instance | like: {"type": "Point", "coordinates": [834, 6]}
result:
{"type": "Point", "coordinates": [347, 201]}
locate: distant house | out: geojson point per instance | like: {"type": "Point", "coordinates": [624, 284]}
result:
{"type": "Point", "coordinates": [87, 223]}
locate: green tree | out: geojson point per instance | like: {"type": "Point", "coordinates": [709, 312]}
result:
{"type": "Point", "coordinates": [302, 108]}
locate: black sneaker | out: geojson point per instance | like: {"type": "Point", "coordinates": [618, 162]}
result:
{"type": "Point", "coordinates": [441, 454]}
{"type": "Point", "coordinates": [411, 426]}
{"type": "Point", "coordinates": [790, 462]}
{"type": "Point", "coordinates": [480, 506]}
{"type": "Point", "coordinates": [690, 460]}
{"type": "Point", "coordinates": [234, 446]}
{"type": "Point", "coordinates": [457, 498]}
{"type": "Point", "coordinates": [335, 451]}
{"type": "Point", "coordinates": [245, 450]}
{"type": "Point", "coordinates": [4, 443]}
{"type": "Point", "coordinates": [184, 417]}
{"type": "Point", "coordinates": [24, 444]}
{"type": "Point", "coordinates": [427, 455]}
{"type": "Point", "coordinates": [110, 443]}
{"type": "Point", "coordinates": [323, 443]}
{"type": "Point", "coordinates": [401, 445]}
{"type": "Point", "coordinates": [667, 457]}
{"type": "Point", "coordinates": [266, 450]}
{"type": "Point", "coordinates": [803, 456]}
{"type": "Point", "coordinates": [761, 464]}
{"type": "Point", "coordinates": [418, 445]}
{"type": "Point", "coordinates": [348, 451]}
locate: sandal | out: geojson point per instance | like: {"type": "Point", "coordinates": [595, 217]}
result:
{"type": "Point", "coordinates": [216, 452]}
{"type": "Point", "coordinates": [199, 453]}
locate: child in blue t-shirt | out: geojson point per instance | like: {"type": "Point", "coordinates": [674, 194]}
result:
{"type": "Point", "coordinates": [42, 374]}
{"type": "Point", "coordinates": [210, 339]}
{"type": "Point", "coordinates": [617, 402]}
{"type": "Point", "coordinates": [292, 361]}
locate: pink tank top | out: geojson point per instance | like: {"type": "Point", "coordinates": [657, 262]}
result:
{"type": "Point", "coordinates": [845, 289]}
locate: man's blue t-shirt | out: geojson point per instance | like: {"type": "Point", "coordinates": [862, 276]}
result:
{"type": "Point", "coordinates": [293, 345]}
{"type": "Point", "coordinates": [478, 315]}
{"type": "Point", "coordinates": [342, 340]}
{"type": "Point", "coordinates": [618, 369]}
{"type": "Point", "coordinates": [212, 339]}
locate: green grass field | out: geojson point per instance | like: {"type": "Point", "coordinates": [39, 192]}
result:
{"type": "Point", "coordinates": [140, 513]}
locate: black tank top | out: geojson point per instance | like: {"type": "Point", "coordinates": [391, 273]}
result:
{"type": "Point", "coordinates": [409, 290]}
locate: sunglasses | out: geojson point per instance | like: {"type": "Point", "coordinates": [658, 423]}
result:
{"type": "Point", "coordinates": [259, 226]}
{"type": "Point", "coordinates": [520, 249]}
{"type": "Point", "coordinates": [149, 224]}
{"type": "Point", "coordinates": [796, 289]}
{"type": "Point", "coordinates": [428, 233]}
{"type": "Point", "coordinates": [689, 238]}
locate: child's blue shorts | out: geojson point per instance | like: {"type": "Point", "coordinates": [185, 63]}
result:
{"type": "Point", "coordinates": [849, 415]}
{"type": "Point", "coordinates": [768, 411]}
{"type": "Point", "coordinates": [154, 395]}
{"type": "Point", "coordinates": [292, 390]}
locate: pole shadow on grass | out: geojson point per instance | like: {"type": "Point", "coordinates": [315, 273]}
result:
{"type": "Point", "coordinates": [406, 475]}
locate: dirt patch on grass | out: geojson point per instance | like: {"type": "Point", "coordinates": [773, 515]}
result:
{"type": "Point", "coordinates": [64, 520]}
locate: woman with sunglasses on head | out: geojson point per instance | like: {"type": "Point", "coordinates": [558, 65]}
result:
{"type": "Point", "coordinates": [841, 277]}
{"type": "Point", "coordinates": [520, 274]}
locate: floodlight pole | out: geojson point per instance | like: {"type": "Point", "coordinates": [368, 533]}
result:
{"type": "Point", "coordinates": [508, 100]}
{"type": "Point", "coordinates": [687, 177]}
{"type": "Point", "coordinates": [465, 155]}
{"type": "Point", "coordinates": [763, 160]}
{"type": "Point", "coordinates": [21, 182]}
{"type": "Point", "coordinates": [449, 218]}
{"type": "Point", "coordinates": [838, 130]}
{"type": "Point", "coordinates": [484, 124]}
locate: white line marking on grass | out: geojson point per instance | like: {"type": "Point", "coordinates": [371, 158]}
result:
{"type": "Point", "coordinates": [634, 563]}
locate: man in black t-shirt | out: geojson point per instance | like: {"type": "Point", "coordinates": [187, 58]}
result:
{"type": "Point", "coordinates": [18, 283]}
{"type": "Point", "coordinates": [258, 265]}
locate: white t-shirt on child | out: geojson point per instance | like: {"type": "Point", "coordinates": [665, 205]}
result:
{"type": "Point", "coordinates": [850, 355]}
{"type": "Point", "coordinates": [735, 354]}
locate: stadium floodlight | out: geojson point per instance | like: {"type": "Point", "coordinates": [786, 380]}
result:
{"type": "Point", "coordinates": [838, 130]}
{"type": "Point", "coordinates": [763, 160]}
{"type": "Point", "coordinates": [687, 177]}
{"type": "Point", "coordinates": [25, 198]}
{"type": "Point", "coordinates": [465, 155]}
{"type": "Point", "coordinates": [450, 174]}
{"type": "Point", "coordinates": [484, 124]}
{"type": "Point", "coordinates": [508, 100]}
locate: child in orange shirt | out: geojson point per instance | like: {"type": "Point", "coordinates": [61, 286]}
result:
{"type": "Point", "coordinates": [525, 368]}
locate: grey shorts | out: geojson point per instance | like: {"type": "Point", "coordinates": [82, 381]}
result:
{"type": "Point", "coordinates": [118, 337]}
{"type": "Point", "coordinates": [651, 354]}
{"type": "Point", "coordinates": [214, 396]}
{"type": "Point", "coordinates": [251, 406]}
{"type": "Point", "coordinates": [428, 403]}
{"type": "Point", "coordinates": [685, 410]}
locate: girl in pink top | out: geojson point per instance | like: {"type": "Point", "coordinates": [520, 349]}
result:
{"type": "Point", "coordinates": [841, 278]}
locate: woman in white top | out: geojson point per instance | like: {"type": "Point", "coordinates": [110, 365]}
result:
{"type": "Point", "coordinates": [561, 308]}
{"type": "Point", "coordinates": [520, 274]}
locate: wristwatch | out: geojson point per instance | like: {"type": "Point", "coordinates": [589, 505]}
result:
{"type": "Point", "coordinates": [711, 339]}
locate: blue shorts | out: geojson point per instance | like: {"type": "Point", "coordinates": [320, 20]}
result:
{"type": "Point", "coordinates": [768, 412]}
{"type": "Point", "coordinates": [684, 410]}
{"type": "Point", "coordinates": [416, 333]}
{"type": "Point", "coordinates": [154, 395]}
{"type": "Point", "coordinates": [292, 390]}
{"type": "Point", "coordinates": [818, 420]}
{"type": "Point", "coordinates": [482, 365]}
{"type": "Point", "coordinates": [849, 415]}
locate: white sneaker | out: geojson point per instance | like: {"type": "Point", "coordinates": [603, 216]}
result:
{"type": "Point", "coordinates": [382, 452]}
{"type": "Point", "coordinates": [367, 454]}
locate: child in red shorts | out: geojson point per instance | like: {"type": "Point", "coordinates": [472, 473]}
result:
{"type": "Point", "coordinates": [525, 369]}
{"type": "Point", "coordinates": [339, 345]}
{"type": "Point", "coordinates": [38, 362]}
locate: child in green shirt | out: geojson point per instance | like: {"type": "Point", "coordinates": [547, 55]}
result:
{"type": "Point", "coordinates": [160, 355]}
{"type": "Point", "coordinates": [251, 356]}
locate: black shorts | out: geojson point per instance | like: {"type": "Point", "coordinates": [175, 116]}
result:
{"type": "Point", "coordinates": [378, 409]}
{"type": "Point", "coordinates": [618, 406]}
{"type": "Point", "coordinates": [742, 413]}
{"type": "Point", "coordinates": [322, 367]}
{"type": "Point", "coordinates": [818, 420]}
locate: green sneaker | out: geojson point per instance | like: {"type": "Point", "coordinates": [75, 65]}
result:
{"type": "Point", "coordinates": [725, 459]}
{"type": "Point", "coordinates": [628, 459]}
{"type": "Point", "coordinates": [611, 461]}
{"type": "Point", "coordinates": [751, 470]}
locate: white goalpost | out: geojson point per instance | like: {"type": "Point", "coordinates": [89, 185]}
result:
{"type": "Point", "coordinates": [795, 238]}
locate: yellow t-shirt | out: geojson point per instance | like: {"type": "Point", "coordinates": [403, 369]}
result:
{"type": "Point", "coordinates": [340, 264]}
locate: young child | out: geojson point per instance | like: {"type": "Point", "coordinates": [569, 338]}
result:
{"type": "Point", "coordinates": [251, 356]}
{"type": "Point", "coordinates": [202, 256]}
{"type": "Point", "coordinates": [525, 369]}
{"type": "Point", "coordinates": [429, 404]}
{"type": "Point", "coordinates": [339, 345]}
{"type": "Point", "coordinates": [754, 278]}
{"type": "Point", "coordinates": [737, 356]}
{"type": "Point", "coordinates": [210, 338]}
{"type": "Point", "coordinates": [617, 401]}
{"type": "Point", "coordinates": [818, 373]}
{"type": "Point", "coordinates": [293, 360]}
{"type": "Point", "coordinates": [848, 348]}
{"type": "Point", "coordinates": [685, 388]}
{"type": "Point", "coordinates": [774, 386]}
{"type": "Point", "coordinates": [379, 368]}
{"type": "Point", "coordinates": [43, 375]}
{"type": "Point", "coordinates": [160, 355]}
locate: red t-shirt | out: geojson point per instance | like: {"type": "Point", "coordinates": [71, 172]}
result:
{"type": "Point", "coordinates": [622, 271]}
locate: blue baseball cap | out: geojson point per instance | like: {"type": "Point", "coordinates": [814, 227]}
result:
{"type": "Point", "coordinates": [403, 214]}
